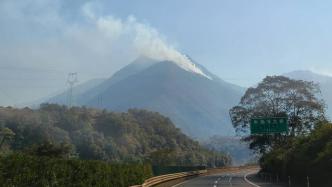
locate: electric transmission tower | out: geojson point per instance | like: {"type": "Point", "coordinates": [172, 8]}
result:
{"type": "Point", "coordinates": [71, 81]}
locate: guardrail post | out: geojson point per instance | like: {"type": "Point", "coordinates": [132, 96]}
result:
{"type": "Point", "coordinates": [308, 182]}
{"type": "Point", "coordinates": [289, 181]}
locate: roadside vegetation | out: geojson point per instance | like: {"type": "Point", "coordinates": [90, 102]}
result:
{"type": "Point", "coordinates": [304, 156]}
{"type": "Point", "coordinates": [304, 152]}
{"type": "Point", "coordinates": [30, 170]}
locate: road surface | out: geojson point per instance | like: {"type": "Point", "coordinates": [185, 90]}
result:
{"type": "Point", "coordinates": [227, 179]}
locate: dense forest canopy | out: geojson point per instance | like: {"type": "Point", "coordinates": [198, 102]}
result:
{"type": "Point", "coordinates": [134, 136]}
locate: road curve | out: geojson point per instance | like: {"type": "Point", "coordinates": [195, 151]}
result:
{"type": "Point", "coordinates": [225, 179]}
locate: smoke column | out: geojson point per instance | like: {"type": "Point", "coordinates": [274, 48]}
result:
{"type": "Point", "coordinates": [144, 39]}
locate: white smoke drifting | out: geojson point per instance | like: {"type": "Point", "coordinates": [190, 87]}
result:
{"type": "Point", "coordinates": [145, 40]}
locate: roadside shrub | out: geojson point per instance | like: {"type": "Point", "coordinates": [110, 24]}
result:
{"type": "Point", "coordinates": [25, 170]}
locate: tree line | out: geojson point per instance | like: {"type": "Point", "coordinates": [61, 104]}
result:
{"type": "Point", "coordinates": [30, 170]}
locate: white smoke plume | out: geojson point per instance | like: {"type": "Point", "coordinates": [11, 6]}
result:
{"type": "Point", "coordinates": [145, 40]}
{"type": "Point", "coordinates": [43, 40]}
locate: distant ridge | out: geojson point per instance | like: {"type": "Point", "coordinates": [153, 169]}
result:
{"type": "Point", "coordinates": [324, 81]}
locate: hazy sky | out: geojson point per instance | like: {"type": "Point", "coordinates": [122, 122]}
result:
{"type": "Point", "coordinates": [241, 41]}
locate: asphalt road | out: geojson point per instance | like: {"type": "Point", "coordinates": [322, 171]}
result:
{"type": "Point", "coordinates": [228, 179]}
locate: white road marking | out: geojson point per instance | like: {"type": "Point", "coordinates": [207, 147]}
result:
{"type": "Point", "coordinates": [248, 181]}
{"type": "Point", "coordinates": [223, 178]}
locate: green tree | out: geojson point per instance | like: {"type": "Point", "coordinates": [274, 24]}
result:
{"type": "Point", "coordinates": [5, 135]}
{"type": "Point", "coordinates": [279, 96]}
{"type": "Point", "coordinates": [49, 149]}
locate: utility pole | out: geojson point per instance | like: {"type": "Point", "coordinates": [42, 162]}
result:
{"type": "Point", "coordinates": [71, 81]}
{"type": "Point", "coordinates": [100, 102]}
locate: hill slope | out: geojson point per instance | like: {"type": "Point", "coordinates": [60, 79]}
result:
{"type": "Point", "coordinates": [324, 81]}
{"type": "Point", "coordinates": [197, 104]}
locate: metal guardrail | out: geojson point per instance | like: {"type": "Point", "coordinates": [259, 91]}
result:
{"type": "Point", "coordinates": [165, 178]}
{"type": "Point", "coordinates": [154, 181]}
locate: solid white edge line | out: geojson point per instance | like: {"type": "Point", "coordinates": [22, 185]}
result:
{"type": "Point", "coordinates": [181, 183]}
{"type": "Point", "coordinates": [248, 181]}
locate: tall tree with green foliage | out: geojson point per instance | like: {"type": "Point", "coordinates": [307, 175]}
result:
{"type": "Point", "coordinates": [5, 134]}
{"type": "Point", "coordinates": [279, 96]}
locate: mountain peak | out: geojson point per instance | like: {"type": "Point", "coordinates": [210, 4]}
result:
{"type": "Point", "coordinates": [308, 75]}
{"type": "Point", "coordinates": [183, 61]}
{"type": "Point", "coordinates": [197, 105]}
{"type": "Point", "coordinates": [190, 66]}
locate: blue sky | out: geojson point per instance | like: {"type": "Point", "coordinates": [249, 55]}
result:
{"type": "Point", "coordinates": [241, 41]}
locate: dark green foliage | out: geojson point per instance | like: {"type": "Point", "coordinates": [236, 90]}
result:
{"type": "Point", "coordinates": [6, 135]}
{"type": "Point", "coordinates": [305, 156]}
{"type": "Point", "coordinates": [26, 170]}
{"type": "Point", "coordinates": [279, 96]}
{"type": "Point", "coordinates": [49, 149]}
{"type": "Point", "coordinates": [134, 136]}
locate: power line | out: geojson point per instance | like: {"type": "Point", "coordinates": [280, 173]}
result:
{"type": "Point", "coordinates": [100, 101]}
{"type": "Point", "coordinates": [71, 81]}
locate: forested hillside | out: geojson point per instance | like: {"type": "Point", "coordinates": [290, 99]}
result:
{"type": "Point", "coordinates": [134, 136]}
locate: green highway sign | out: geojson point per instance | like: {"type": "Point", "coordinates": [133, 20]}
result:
{"type": "Point", "coordinates": [269, 125]}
